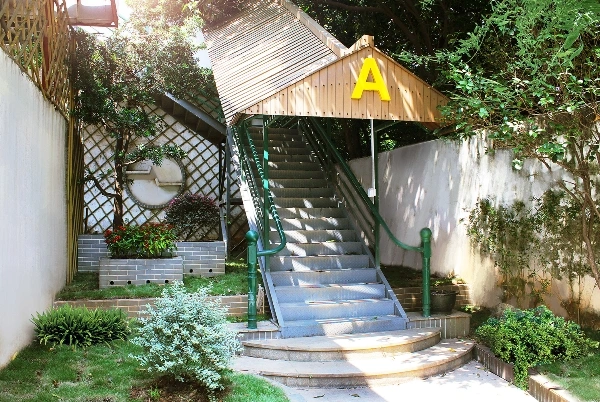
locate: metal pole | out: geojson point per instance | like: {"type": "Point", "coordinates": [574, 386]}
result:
{"type": "Point", "coordinates": [426, 244]}
{"type": "Point", "coordinates": [251, 238]}
{"type": "Point", "coordinates": [228, 192]}
{"type": "Point", "coordinates": [266, 206]}
{"type": "Point", "coordinates": [375, 186]}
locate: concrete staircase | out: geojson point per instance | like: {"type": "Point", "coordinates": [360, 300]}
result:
{"type": "Point", "coordinates": [325, 282]}
{"type": "Point", "coordinates": [340, 325]}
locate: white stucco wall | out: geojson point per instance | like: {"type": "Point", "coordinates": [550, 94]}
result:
{"type": "Point", "coordinates": [32, 206]}
{"type": "Point", "coordinates": [435, 184]}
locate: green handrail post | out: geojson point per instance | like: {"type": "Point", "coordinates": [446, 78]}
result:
{"type": "Point", "coordinates": [426, 244]}
{"type": "Point", "coordinates": [266, 191]}
{"type": "Point", "coordinates": [252, 239]}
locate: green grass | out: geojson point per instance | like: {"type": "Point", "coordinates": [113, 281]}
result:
{"type": "Point", "coordinates": [580, 377]}
{"type": "Point", "coordinates": [85, 286]}
{"type": "Point", "coordinates": [98, 374]}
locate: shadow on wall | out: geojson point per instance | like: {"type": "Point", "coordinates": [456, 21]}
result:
{"type": "Point", "coordinates": [435, 184]}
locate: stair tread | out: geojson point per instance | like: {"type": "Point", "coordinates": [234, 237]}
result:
{"type": "Point", "coordinates": [348, 342]}
{"type": "Point", "coordinates": [324, 270]}
{"type": "Point", "coordinates": [389, 364]}
{"type": "Point", "coordinates": [334, 302]}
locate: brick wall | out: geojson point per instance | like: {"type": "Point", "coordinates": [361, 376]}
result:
{"type": "Point", "coordinates": [237, 305]}
{"type": "Point", "coordinates": [121, 272]}
{"type": "Point", "coordinates": [411, 299]}
{"type": "Point", "coordinates": [199, 258]}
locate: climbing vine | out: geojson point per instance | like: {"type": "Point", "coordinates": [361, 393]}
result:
{"type": "Point", "coordinates": [532, 244]}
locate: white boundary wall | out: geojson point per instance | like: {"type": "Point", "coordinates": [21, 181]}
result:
{"type": "Point", "coordinates": [435, 184]}
{"type": "Point", "coordinates": [32, 206]}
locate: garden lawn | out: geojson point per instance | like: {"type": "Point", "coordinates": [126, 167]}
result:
{"type": "Point", "coordinates": [85, 286]}
{"type": "Point", "coordinates": [106, 373]}
{"type": "Point", "coordinates": [580, 377]}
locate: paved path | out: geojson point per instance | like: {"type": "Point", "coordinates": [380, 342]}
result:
{"type": "Point", "coordinates": [470, 383]}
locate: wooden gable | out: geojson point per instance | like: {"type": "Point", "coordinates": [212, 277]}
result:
{"type": "Point", "coordinates": [328, 93]}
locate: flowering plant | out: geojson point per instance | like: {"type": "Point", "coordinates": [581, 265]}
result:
{"type": "Point", "coordinates": [150, 240]}
{"type": "Point", "coordinates": [192, 215]}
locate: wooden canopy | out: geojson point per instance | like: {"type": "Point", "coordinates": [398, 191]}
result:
{"type": "Point", "coordinates": [328, 92]}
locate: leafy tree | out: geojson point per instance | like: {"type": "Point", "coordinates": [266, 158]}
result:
{"type": "Point", "coordinates": [115, 80]}
{"type": "Point", "coordinates": [528, 75]}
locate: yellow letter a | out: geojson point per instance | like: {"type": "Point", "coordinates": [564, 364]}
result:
{"type": "Point", "coordinates": [370, 66]}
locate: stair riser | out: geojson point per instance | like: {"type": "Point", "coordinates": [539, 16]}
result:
{"type": "Point", "coordinates": [297, 183]}
{"type": "Point", "coordinates": [346, 310]}
{"type": "Point", "coordinates": [315, 236]}
{"type": "Point", "coordinates": [289, 149]}
{"type": "Point", "coordinates": [291, 174]}
{"type": "Point", "coordinates": [367, 291]}
{"type": "Point", "coordinates": [273, 131]}
{"type": "Point", "coordinates": [320, 278]}
{"type": "Point", "coordinates": [290, 158]}
{"type": "Point", "coordinates": [330, 381]}
{"type": "Point", "coordinates": [341, 328]}
{"type": "Point", "coordinates": [305, 202]}
{"type": "Point", "coordinates": [258, 137]}
{"type": "Point", "coordinates": [318, 263]}
{"type": "Point", "coordinates": [274, 142]}
{"type": "Point", "coordinates": [303, 192]}
{"type": "Point", "coordinates": [310, 213]}
{"type": "Point", "coordinates": [314, 224]}
{"type": "Point", "coordinates": [322, 249]}
{"type": "Point", "coordinates": [325, 356]}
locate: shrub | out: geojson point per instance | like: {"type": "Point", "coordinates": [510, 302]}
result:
{"type": "Point", "coordinates": [186, 337]}
{"type": "Point", "coordinates": [150, 240]}
{"type": "Point", "coordinates": [79, 326]}
{"type": "Point", "coordinates": [192, 215]}
{"type": "Point", "coordinates": [528, 338]}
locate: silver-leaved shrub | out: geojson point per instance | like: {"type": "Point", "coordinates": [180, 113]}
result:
{"type": "Point", "coordinates": [186, 336]}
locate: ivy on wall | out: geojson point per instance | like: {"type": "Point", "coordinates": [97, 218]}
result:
{"type": "Point", "coordinates": [532, 244]}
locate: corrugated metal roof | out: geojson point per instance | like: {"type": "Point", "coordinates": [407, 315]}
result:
{"type": "Point", "coordinates": [262, 50]}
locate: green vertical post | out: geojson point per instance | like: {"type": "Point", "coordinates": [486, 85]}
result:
{"type": "Point", "coordinates": [252, 239]}
{"type": "Point", "coordinates": [426, 245]}
{"type": "Point", "coordinates": [266, 206]}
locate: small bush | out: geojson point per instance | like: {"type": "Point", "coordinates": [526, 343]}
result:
{"type": "Point", "coordinates": [192, 215]}
{"type": "Point", "coordinates": [528, 338]}
{"type": "Point", "coordinates": [149, 240]}
{"type": "Point", "coordinates": [186, 337]}
{"type": "Point", "coordinates": [79, 326]}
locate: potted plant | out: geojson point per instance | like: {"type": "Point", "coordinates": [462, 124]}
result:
{"type": "Point", "coordinates": [150, 240]}
{"type": "Point", "coordinates": [443, 300]}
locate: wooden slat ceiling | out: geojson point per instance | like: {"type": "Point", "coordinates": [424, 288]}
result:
{"type": "Point", "coordinates": [328, 93]}
{"type": "Point", "coordinates": [274, 59]}
{"type": "Point", "coordinates": [260, 51]}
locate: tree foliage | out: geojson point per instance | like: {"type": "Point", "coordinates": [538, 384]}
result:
{"type": "Point", "coordinates": [116, 78]}
{"type": "Point", "coordinates": [528, 75]}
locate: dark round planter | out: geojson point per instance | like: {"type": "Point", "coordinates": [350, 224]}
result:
{"type": "Point", "coordinates": [442, 301]}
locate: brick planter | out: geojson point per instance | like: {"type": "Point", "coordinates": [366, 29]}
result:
{"type": "Point", "coordinates": [199, 258]}
{"type": "Point", "coordinates": [121, 272]}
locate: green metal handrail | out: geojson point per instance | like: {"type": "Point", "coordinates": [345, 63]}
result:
{"type": "Point", "coordinates": [268, 206]}
{"type": "Point", "coordinates": [331, 152]}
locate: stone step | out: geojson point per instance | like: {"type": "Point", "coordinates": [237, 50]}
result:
{"type": "Point", "coordinates": [318, 263]}
{"type": "Point", "coordinates": [310, 213]}
{"type": "Point", "coordinates": [303, 192]}
{"type": "Point", "coordinates": [324, 309]}
{"type": "Point", "coordinates": [297, 183]}
{"type": "Point", "coordinates": [391, 368]}
{"type": "Point", "coordinates": [339, 276]}
{"type": "Point", "coordinates": [313, 224]}
{"type": "Point", "coordinates": [343, 347]}
{"type": "Point", "coordinates": [304, 202]}
{"type": "Point", "coordinates": [315, 236]}
{"type": "Point", "coordinates": [307, 249]}
{"type": "Point", "coordinates": [314, 293]}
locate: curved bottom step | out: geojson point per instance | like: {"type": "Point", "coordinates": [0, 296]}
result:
{"type": "Point", "coordinates": [393, 368]}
